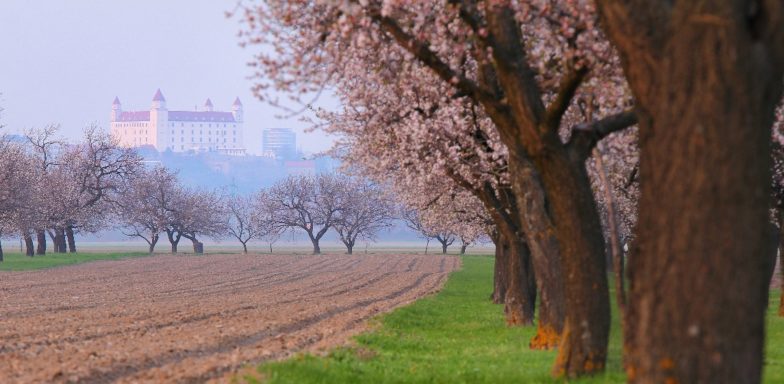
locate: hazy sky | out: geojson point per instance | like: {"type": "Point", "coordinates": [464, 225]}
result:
{"type": "Point", "coordinates": [65, 61]}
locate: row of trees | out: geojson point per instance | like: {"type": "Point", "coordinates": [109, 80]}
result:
{"type": "Point", "coordinates": [50, 187]}
{"type": "Point", "coordinates": [509, 100]}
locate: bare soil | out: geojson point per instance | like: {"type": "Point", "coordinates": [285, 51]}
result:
{"type": "Point", "coordinates": [195, 319]}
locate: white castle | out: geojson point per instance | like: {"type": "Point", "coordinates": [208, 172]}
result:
{"type": "Point", "coordinates": [180, 131]}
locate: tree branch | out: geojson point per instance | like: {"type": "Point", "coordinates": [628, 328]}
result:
{"type": "Point", "coordinates": [421, 50]}
{"type": "Point", "coordinates": [569, 85]}
{"type": "Point", "coordinates": [586, 135]}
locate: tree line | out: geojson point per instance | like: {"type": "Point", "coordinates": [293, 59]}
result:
{"type": "Point", "coordinates": [50, 187]}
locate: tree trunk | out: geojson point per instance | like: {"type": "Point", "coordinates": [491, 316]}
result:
{"type": "Point", "coordinates": [270, 244]}
{"type": "Point", "coordinates": [59, 240]}
{"type": "Point", "coordinates": [706, 81]}
{"type": "Point", "coordinates": [463, 248]}
{"type": "Point", "coordinates": [173, 240]}
{"type": "Point", "coordinates": [41, 238]}
{"type": "Point", "coordinates": [500, 276]}
{"type": "Point", "coordinates": [316, 247]}
{"type": "Point", "coordinates": [580, 243]}
{"type": "Point", "coordinates": [69, 234]}
{"type": "Point", "coordinates": [29, 249]}
{"type": "Point", "coordinates": [781, 261]}
{"type": "Point", "coordinates": [349, 248]}
{"type": "Point", "coordinates": [198, 246]}
{"type": "Point", "coordinates": [245, 248]}
{"type": "Point", "coordinates": [520, 293]}
{"type": "Point", "coordinates": [1, 251]}
{"type": "Point", "coordinates": [616, 259]}
{"type": "Point", "coordinates": [547, 258]}
{"type": "Point", "coordinates": [153, 241]}
{"type": "Point", "coordinates": [444, 247]}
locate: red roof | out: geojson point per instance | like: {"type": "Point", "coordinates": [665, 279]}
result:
{"type": "Point", "coordinates": [135, 116]}
{"type": "Point", "coordinates": [158, 96]}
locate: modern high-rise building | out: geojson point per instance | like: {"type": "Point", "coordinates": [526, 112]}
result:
{"type": "Point", "coordinates": [180, 131]}
{"type": "Point", "coordinates": [280, 141]}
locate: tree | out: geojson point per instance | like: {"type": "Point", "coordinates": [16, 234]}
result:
{"type": "Point", "coordinates": [198, 213]}
{"type": "Point", "coordinates": [264, 221]}
{"type": "Point", "coordinates": [523, 63]}
{"type": "Point", "coordinates": [707, 77]}
{"type": "Point", "coordinates": [98, 167]}
{"type": "Point", "coordinates": [17, 187]}
{"type": "Point", "coordinates": [310, 203]}
{"type": "Point", "coordinates": [145, 207]}
{"type": "Point", "coordinates": [366, 212]}
{"type": "Point", "coordinates": [239, 219]}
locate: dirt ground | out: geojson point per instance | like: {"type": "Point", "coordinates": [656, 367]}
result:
{"type": "Point", "coordinates": [194, 319]}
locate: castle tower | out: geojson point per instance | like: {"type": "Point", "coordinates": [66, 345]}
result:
{"type": "Point", "coordinates": [116, 109]}
{"type": "Point", "coordinates": [159, 119]}
{"type": "Point", "coordinates": [236, 110]}
{"type": "Point", "coordinates": [208, 105]}
{"type": "Point", "coordinates": [158, 101]}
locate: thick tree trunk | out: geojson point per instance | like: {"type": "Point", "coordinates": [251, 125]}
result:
{"type": "Point", "coordinates": [444, 246]}
{"type": "Point", "coordinates": [463, 248]}
{"type": "Point", "coordinates": [245, 248]}
{"type": "Point", "coordinates": [499, 271]}
{"type": "Point", "coordinates": [69, 234]}
{"type": "Point", "coordinates": [520, 293]}
{"type": "Point", "coordinates": [583, 344]}
{"type": "Point", "coordinates": [546, 256]}
{"type": "Point", "coordinates": [1, 251]}
{"type": "Point", "coordinates": [41, 238]}
{"type": "Point", "coordinates": [29, 248]}
{"type": "Point", "coordinates": [706, 85]}
{"type": "Point", "coordinates": [349, 248]}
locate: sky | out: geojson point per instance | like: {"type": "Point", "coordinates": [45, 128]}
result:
{"type": "Point", "coordinates": [65, 61]}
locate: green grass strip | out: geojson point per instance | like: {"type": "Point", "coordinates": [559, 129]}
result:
{"type": "Point", "coordinates": [20, 262]}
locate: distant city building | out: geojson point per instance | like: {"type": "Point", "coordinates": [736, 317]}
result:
{"type": "Point", "coordinates": [280, 141]}
{"type": "Point", "coordinates": [180, 131]}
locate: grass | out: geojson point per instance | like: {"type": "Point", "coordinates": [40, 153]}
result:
{"type": "Point", "coordinates": [458, 336]}
{"type": "Point", "coordinates": [20, 262]}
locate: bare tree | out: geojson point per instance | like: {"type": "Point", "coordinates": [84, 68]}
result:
{"type": "Point", "coordinates": [145, 206]}
{"type": "Point", "coordinates": [366, 212]}
{"type": "Point", "coordinates": [310, 203]}
{"type": "Point", "coordinates": [239, 221]}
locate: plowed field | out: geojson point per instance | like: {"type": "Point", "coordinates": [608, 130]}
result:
{"type": "Point", "coordinates": [192, 319]}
